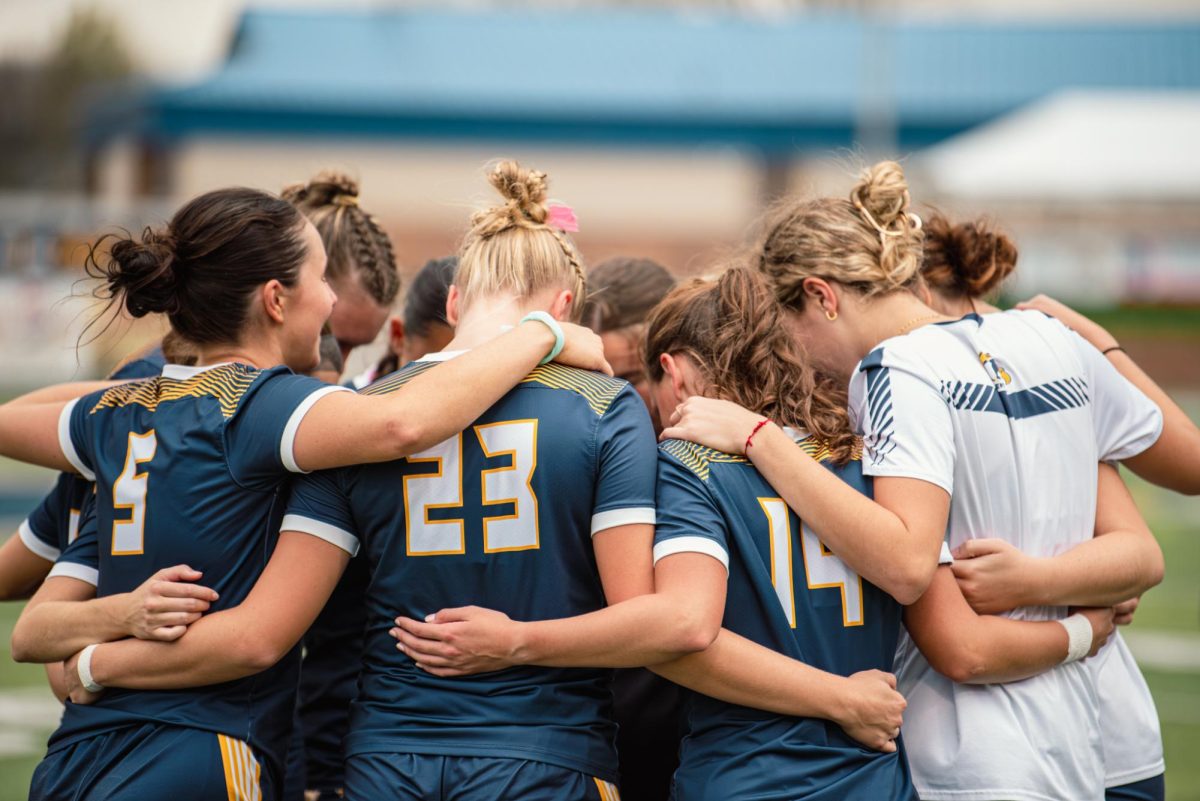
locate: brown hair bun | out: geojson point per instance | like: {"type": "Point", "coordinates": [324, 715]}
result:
{"type": "Point", "coordinates": [969, 259]}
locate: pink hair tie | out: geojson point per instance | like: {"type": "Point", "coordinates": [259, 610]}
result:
{"type": "Point", "coordinates": [562, 217]}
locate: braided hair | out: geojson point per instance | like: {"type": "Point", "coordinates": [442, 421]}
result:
{"type": "Point", "coordinates": [354, 241]}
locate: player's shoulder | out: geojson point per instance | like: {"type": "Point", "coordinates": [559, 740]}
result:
{"type": "Point", "coordinates": [392, 382]}
{"type": "Point", "coordinates": [598, 390]}
{"type": "Point", "coordinates": [697, 459]}
{"type": "Point", "coordinates": [820, 451]}
{"type": "Point", "coordinates": [226, 384]}
{"type": "Point", "coordinates": [923, 349]}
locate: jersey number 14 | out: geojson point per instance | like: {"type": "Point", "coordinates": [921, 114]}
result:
{"type": "Point", "coordinates": [822, 570]}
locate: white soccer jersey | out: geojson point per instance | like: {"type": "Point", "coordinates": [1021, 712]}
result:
{"type": "Point", "coordinates": [1129, 730]}
{"type": "Point", "coordinates": [1010, 414]}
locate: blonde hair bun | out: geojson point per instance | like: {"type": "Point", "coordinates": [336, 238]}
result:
{"type": "Point", "coordinates": [524, 193]}
{"type": "Point", "coordinates": [882, 193]}
{"type": "Point", "coordinates": [509, 248]}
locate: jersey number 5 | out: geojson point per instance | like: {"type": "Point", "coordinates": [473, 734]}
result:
{"type": "Point", "coordinates": [515, 440]}
{"type": "Point", "coordinates": [822, 570]}
{"type": "Point", "coordinates": [129, 493]}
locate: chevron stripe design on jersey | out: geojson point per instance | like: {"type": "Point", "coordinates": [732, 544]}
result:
{"type": "Point", "coordinates": [393, 382]}
{"type": "Point", "coordinates": [1053, 396]}
{"type": "Point", "coordinates": [698, 458]}
{"type": "Point", "coordinates": [971, 397]}
{"type": "Point", "coordinates": [819, 451]}
{"type": "Point", "coordinates": [879, 408]}
{"type": "Point", "coordinates": [597, 389]}
{"type": "Point", "coordinates": [227, 384]}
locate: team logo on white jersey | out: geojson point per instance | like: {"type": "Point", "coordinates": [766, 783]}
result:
{"type": "Point", "coordinates": [998, 374]}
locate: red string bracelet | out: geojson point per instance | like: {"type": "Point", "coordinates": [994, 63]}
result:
{"type": "Point", "coordinates": [761, 423]}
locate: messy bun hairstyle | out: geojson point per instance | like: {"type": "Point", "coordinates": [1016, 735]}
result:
{"type": "Point", "coordinates": [354, 241]}
{"type": "Point", "coordinates": [869, 241]}
{"type": "Point", "coordinates": [968, 260]}
{"type": "Point", "coordinates": [511, 248]}
{"type": "Point", "coordinates": [203, 267]}
{"type": "Point", "coordinates": [733, 328]}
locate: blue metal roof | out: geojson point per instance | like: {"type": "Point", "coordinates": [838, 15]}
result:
{"type": "Point", "coordinates": [650, 77]}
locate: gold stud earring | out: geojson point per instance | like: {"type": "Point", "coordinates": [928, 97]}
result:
{"type": "Point", "coordinates": [830, 315]}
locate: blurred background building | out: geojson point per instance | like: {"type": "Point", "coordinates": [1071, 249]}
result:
{"type": "Point", "coordinates": [668, 126]}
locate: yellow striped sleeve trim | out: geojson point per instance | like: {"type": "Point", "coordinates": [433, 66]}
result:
{"type": "Point", "coordinates": [608, 791]}
{"type": "Point", "coordinates": [243, 774]}
{"type": "Point", "coordinates": [698, 458]}
{"type": "Point", "coordinates": [597, 389]}
{"type": "Point", "coordinates": [226, 384]}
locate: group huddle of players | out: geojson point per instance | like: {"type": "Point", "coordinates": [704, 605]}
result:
{"type": "Point", "coordinates": [864, 529]}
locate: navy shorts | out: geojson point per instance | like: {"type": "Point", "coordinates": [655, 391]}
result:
{"type": "Point", "coordinates": [153, 761]}
{"type": "Point", "coordinates": [409, 777]}
{"type": "Point", "coordinates": [1152, 789]}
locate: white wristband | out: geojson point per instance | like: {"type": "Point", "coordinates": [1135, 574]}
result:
{"type": "Point", "coordinates": [1079, 637]}
{"type": "Point", "coordinates": [84, 668]}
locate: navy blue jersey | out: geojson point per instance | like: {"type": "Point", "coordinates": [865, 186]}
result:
{"type": "Point", "coordinates": [500, 516]}
{"type": "Point", "coordinates": [189, 468]}
{"type": "Point", "coordinates": [54, 524]}
{"type": "Point", "coordinates": [788, 592]}
{"type": "Point", "coordinates": [329, 677]}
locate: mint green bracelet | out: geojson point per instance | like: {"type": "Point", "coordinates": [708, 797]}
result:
{"type": "Point", "coordinates": [552, 324]}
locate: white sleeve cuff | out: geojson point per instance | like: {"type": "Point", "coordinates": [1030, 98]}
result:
{"type": "Point", "coordinates": [1139, 445]}
{"type": "Point", "coordinates": [287, 444]}
{"type": "Point", "coordinates": [68, 447]}
{"type": "Point", "coordinates": [321, 530]}
{"type": "Point", "coordinates": [945, 557]}
{"type": "Point", "coordinates": [35, 545]}
{"type": "Point", "coordinates": [622, 517]}
{"type": "Point", "coordinates": [893, 471]}
{"type": "Point", "coordinates": [89, 575]}
{"type": "Point", "coordinates": [691, 545]}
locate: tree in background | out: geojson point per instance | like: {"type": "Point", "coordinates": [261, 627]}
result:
{"type": "Point", "coordinates": [41, 141]}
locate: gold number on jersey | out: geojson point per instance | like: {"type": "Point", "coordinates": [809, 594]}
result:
{"type": "Point", "coordinates": [440, 490]}
{"type": "Point", "coordinates": [781, 554]}
{"type": "Point", "coordinates": [515, 440]}
{"type": "Point", "coordinates": [822, 569]}
{"type": "Point", "coordinates": [129, 493]}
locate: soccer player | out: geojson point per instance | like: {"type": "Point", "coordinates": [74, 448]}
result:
{"type": "Point", "coordinates": [28, 555]}
{"type": "Point", "coordinates": [964, 264]}
{"type": "Point", "coordinates": [622, 291]}
{"type": "Point", "coordinates": [647, 708]}
{"type": "Point", "coordinates": [421, 327]}
{"type": "Point", "coordinates": [997, 423]}
{"type": "Point", "coordinates": [543, 507]}
{"type": "Point", "coordinates": [361, 265]}
{"type": "Point", "coordinates": [725, 338]}
{"type": "Point", "coordinates": [189, 467]}
{"type": "Point", "coordinates": [361, 268]}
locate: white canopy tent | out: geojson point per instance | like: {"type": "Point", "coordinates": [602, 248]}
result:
{"type": "Point", "coordinates": [1076, 147]}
